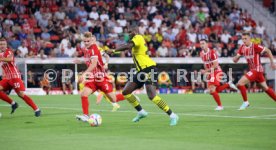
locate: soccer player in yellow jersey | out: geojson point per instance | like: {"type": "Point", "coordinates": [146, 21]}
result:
{"type": "Point", "coordinates": [145, 66]}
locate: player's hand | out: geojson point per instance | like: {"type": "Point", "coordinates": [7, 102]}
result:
{"type": "Point", "coordinates": [106, 66]}
{"type": "Point", "coordinates": [202, 71]}
{"type": "Point", "coordinates": [77, 61]}
{"type": "Point", "coordinates": [273, 66]}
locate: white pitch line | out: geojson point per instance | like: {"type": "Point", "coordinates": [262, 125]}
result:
{"type": "Point", "coordinates": [156, 113]}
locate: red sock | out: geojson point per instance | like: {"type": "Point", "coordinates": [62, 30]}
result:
{"type": "Point", "coordinates": [30, 102]}
{"type": "Point", "coordinates": [120, 97]}
{"type": "Point", "coordinates": [216, 97]}
{"type": "Point", "coordinates": [243, 91]}
{"type": "Point", "coordinates": [271, 93]}
{"type": "Point", "coordinates": [5, 97]}
{"type": "Point", "coordinates": [85, 105]}
{"type": "Point", "coordinates": [222, 87]}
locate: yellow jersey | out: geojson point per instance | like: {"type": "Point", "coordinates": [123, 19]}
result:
{"type": "Point", "coordinates": [139, 53]}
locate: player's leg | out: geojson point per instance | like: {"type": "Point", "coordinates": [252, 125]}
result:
{"type": "Point", "coordinates": [64, 88]}
{"type": "Point", "coordinates": [120, 97]}
{"type": "Point", "coordinates": [106, 87]}
{"type": "Point", "coordinates": [84, 99]}
{"type": "Point", "coordinates": [28, 100]}
{"type": "Point", "coordinates": [86, 91]}
{"type": "Point", "coordinates": [151, 92]}
{"type": "Point", "coordinates": [112, 98]}
{"type": "Point", "coordinates": [213, 91]}
{"type": "Point", "coordinates": [241, 86]}
{"type": "Point", "coordinates": [70, 88]}
{"type": "Point", "coordinates": [133, 100]}
{"type": "Point", "coordinates": [3, 87]}
{"type": "Point", "coordinates": [269, 91]}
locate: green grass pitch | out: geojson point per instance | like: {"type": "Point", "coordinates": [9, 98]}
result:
{"type": "Point", "coordinates": [200, 127]}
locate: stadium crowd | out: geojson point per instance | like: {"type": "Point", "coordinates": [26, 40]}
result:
{"type": "Point", "coordinates": [172, 28]}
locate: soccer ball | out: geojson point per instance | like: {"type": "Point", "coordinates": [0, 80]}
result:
{"type": "Point", "coordinates": [95, 120]}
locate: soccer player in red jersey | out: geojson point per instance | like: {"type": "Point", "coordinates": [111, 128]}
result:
{"type": "Point", "coordinates": [252, 53]}
{"type": "Point", "coordinates": [211, 66]}
{"type": "Point", "coordinates": [12, 79]}
{"type": "Point", "coordinates": [95, 77]}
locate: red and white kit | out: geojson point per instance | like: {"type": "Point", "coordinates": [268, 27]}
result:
{"type": "Point", "coordinates": [252, 55]}
{"type": "Point", "coordinates": [11, 74]}
{"type": "Point", "coordinates": [98, 78]}
{"type": "Point", "coordinates": [208, 59]}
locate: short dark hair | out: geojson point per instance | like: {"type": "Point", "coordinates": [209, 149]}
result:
{"type": "Point", "coordinates": [246, 33]}
{"type": "Point", "coordinates": [203, 40]}
{"type": "Point", "coordinates": [3, 39]}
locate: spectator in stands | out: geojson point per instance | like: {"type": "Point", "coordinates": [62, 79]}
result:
{"type": "Point", "coordinates": [45, 85]}
{"type": "Point", "coordinates": [94, 14]}
{"type": "Point", "coordinates": [162, 51]}
{"type": "Point", "coordinates": [67, 83]}
{"type": "Point", "coordinates": [23, 49]}
{"type": "Point", "coordinates": [14, 43]}
{"type": "Point", "coordinates": [45, 35]}
{"type": "Point", "coordinates": [225, 37]}
{"type": "Point", "coordinates": [164, 80]}
{"type": "Point", "coordinates": [30, 79]}
{"type": "Point", "coordinates": [260, 29]}
{"type": "Point", "coordinates": [197, 83]}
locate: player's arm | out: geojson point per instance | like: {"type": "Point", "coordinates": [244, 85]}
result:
{"type": "Point", "coordinates": [270, 56]}
{"type": "Point", "coordinates": [93, 64]}
{"type": "Point", "coordinates": [8, 58]}
{"type": "Point", "coordinates": [236, 58]}
{"type": "Point", "coordinates": [121, 48]}
{"type": "Point", "coordinates": [213, 67]}
{"type": "Point", "coordinates": [106, 57]}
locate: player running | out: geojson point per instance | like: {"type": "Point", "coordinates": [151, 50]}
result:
{"type": "Point", "coordinates": [12, 79]}
{"type": "Point", "coordinates": [212, 67]}
{"type": "Point", "coordinates": [144, 66]}
{"type": "Point", "coordinates": [97, 77]}
{"type": "Point", "coordinates": [252, 53]}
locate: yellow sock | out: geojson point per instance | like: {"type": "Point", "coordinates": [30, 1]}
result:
{"type": "Point", "coordinates": [160, 103]}
{"type": "Point", "coordinates": [132, 100]}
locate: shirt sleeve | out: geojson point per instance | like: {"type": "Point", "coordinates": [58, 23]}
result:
{"type": "Point", "coordinates": [136, 40]}
{"type": "Point", "coordinates": [214, 55]}
{"type": "Point", "coordinates": [258, 48]}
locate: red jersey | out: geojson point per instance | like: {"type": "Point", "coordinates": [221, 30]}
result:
{"type": "Point", "coordinates": [252, 55]}
{"type": "Point", "coordinates": [208, 58]}
{"type": "Point", "coordinates": [94, 52]}
{"type": "Point", "coordinates": [10, 70]}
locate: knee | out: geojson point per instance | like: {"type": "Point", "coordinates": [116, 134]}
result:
{"type": "Point", "coordinates": [151, 96]}
{"type": "Point", "coordinates": [83, 94]}
{"type": "Point", "coordinates": [21, 94]}
{"type": "Point", "coordinates": [212, 90]}
{"type": "Point", "coordinates": [125, 92]}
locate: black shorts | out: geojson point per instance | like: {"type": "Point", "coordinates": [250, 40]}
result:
{"type": "Point", "coordinates": [145, 76]}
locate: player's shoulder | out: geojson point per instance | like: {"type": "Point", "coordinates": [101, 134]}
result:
{"type": "Point", "coordinates": [8, 51]}
{"type": "Point", "coordinates": [258, 46]}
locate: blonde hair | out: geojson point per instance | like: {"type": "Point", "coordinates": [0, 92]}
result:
{"type": "Point", "coordinates": [88, 35]}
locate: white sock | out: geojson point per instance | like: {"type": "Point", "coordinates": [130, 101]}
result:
{"type": "Point", "coordinates": [37, 109]}
{"type": "Point", "coordinates": [141, 111]}
{"type": "Point", "coordinates": [96, 93]}
{"type": "Point", "coordinates": [173, 115]}
{"type": "Point", "coordinates": [246, 102]}
{"type": "Point", "coordinates": [114, 104]}
{"type": "Point", "coordinates": [13, 102]}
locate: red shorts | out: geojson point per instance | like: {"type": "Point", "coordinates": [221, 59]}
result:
{"type": "Point", "coordinates": [253, 75]}
{"type": "Point", "coordinates": [214, 78]}
{"type": "Point", "coordinates": [16, 84]}
{"type": "Point", "coordinates": [104, 85]}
